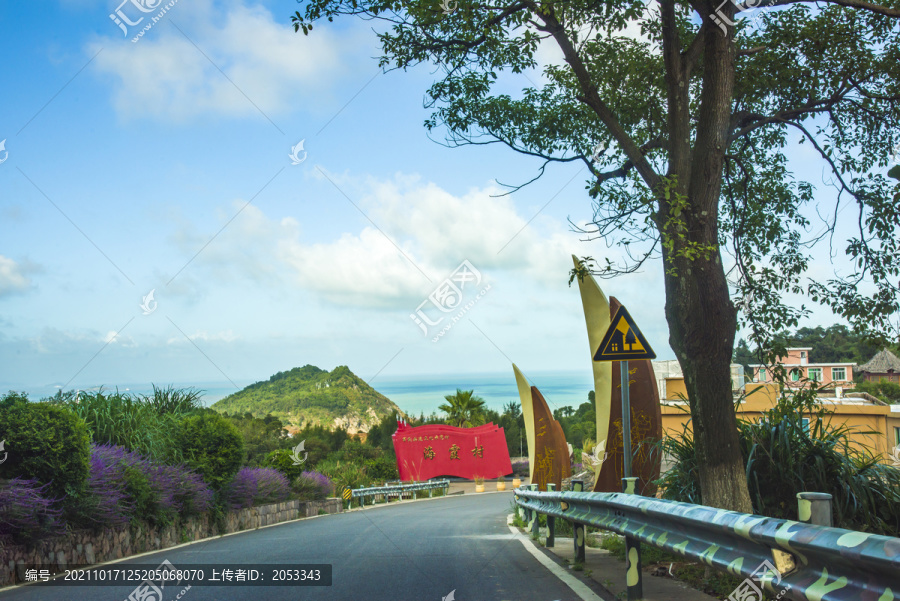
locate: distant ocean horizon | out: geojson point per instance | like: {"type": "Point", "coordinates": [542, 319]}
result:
{"type": "Point", "coordinates": [415, 394]}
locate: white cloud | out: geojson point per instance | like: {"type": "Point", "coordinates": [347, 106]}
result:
{"type": "Point", "coordinates": [204, 336]}
{"type": "Point", "coordinates": [165, 75]}
{"type": "Point", "coordinates": [113, 337]}
{"type": "Point", "coordinates": [421, 234]}
{"type": "Point", "coordinates": [13, 278]}
{"type": "Point", "coordinates": [436, 231]}
{"type": "Point", "coordinates": [54, 340]}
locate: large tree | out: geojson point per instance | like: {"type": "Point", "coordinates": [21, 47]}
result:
{"type": "Point", "coordinates": [684, 132]}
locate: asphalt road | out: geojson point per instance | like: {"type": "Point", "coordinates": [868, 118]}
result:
{"type": "Point", "coordinates": [411, 551]}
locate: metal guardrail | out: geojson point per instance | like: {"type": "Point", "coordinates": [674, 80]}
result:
{"type": "Point", "coordinates": [793, 560]}
{"type": "Point", "coordinates": [397, 490]}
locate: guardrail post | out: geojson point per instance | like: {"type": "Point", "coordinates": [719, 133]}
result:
{"type": "Point", "coordinates": [551, 521]}
{"type": "Point", "coordinates": [531, 515]}
{"type": "Point", "coordinates": [633, 575]}
{"type": "Point", "coordinates": [814, 508]}
{"type": "Point", "coordinates": [578, 529]}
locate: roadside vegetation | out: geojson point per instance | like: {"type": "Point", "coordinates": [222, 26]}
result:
{"type": "Point", "coordinates": [784, 455]}
{"type": "Point", "coordinates": [100, 459]}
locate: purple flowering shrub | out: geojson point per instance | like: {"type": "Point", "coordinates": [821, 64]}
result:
{"type": "Point", "coordinates": [312, 486]}
{"type": "Point", "coordinates": [25, 513]}
{"type": "Point", "coordinates": [107, 502]}
{"type": "Point", "coordinates": [190, 493]}
{"type": "Point", "coordinates": [256, 486]}
{"type": "Point", "coordinates": [123, 484]}
{"type": "Point", "coordinates": [520, 467]}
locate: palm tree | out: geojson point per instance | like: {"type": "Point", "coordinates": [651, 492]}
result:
{"type": "Point", "coordinates": [463, 409]}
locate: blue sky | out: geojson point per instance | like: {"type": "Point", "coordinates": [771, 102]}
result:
{"type": "Point", "coordinates": [164, 165]}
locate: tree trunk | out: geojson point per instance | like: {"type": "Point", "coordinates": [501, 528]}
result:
{"type": "Point", "coordinates": [702, 319]}
{"type": "Point", "coordinates": [702, 322]}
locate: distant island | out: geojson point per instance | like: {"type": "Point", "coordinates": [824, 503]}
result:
{"type": "Point", "coordinates": [313, 396]}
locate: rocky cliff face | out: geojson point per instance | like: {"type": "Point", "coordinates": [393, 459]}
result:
{"type": "Point", "coordinates": [356, 423]}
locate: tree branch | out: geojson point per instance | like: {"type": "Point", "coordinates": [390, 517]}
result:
{"type": "Point", "coordinates": [591, 97]}
{"type": "Point", "coordinates": [861, 4]}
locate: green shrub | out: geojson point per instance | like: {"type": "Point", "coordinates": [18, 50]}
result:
{"type": "Point", "coordinates": [283, 461]}
{"type": "Point", "coordinates": [354, 451]}
{"type": "Point", "coordinates": [261, 436]}
{"type": "Point", "coordinates": [212, 446]}
{"type": "Point", "coordinates": [383, 467]}
{"type": "Point", "coordinates": [889, 392]}
{"type": "Point", "coordinates": [46, 443]}
{"type": "Point", "coordinates": [784, 456]}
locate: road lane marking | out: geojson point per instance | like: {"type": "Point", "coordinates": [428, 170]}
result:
{"type": "Point", "coordinates": [577, 586]}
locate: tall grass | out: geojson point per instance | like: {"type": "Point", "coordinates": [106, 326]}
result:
{"type": "Point", "coordinates": [146, 424]}
{"type": "Point", "coordinates": [344, 473]}
{"type": "Point", "coordinates": [783, 457]}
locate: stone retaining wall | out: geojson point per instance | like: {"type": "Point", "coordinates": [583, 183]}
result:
{"type": "Point", "coordinates": [85, 547]}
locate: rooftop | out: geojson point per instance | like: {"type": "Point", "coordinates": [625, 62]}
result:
{"type": "Point", "coordinates": [882, 363]}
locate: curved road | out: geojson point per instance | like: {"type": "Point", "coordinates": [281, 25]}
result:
{"type": "Point", "coordinates": [409, 551]}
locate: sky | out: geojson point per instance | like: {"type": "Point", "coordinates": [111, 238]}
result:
{"type": "Point", "coordinates": [280, 198]}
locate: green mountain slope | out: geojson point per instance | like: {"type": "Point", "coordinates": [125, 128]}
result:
{"type": "Point", "coordinates": [311, 395]}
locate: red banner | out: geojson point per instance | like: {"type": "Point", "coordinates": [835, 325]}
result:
{"type": "Point", "coordinates": [435, 450]}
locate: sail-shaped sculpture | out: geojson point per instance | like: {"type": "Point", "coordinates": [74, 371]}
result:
{"type": "Point", "coordinates": [551, 453]}
{"type": "Point", "coordinates": [597, 317]}
{"type": "Point", "coordinates": [548, 452]}
{"type": "Point", "coordinates": [528, 416]}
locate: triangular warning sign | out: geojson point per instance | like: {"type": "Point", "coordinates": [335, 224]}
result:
{"type": "Point", "coordinates": [623, 340]}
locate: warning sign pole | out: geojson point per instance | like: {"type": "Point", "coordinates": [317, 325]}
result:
{"type": "Point", "coordinates": [626, 420]}
{"type": "Point", "coordinates": [624, 341]}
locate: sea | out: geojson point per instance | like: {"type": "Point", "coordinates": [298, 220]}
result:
{"type": "Point", "coordinates": [414, 394]}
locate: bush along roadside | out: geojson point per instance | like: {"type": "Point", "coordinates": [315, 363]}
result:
{"type": "Point", "coordinates": [796, 447]}
{"type": "Point", "coordinates": [63, 474]}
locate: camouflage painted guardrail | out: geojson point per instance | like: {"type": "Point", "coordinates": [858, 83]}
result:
{"type": "Point", "coordinates": [399, 489]}
{"type": "Point", "coordinates": [792, 560]}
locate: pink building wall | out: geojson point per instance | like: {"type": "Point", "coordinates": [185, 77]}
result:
{"type": "Point", "coordinates": [799, 369]}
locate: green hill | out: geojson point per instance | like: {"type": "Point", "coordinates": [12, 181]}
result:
{"type": "Point", "coordinates": [309, 395]}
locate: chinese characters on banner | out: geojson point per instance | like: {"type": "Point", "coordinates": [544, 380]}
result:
{"type": "Point", "coordinates": [439, 450]}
